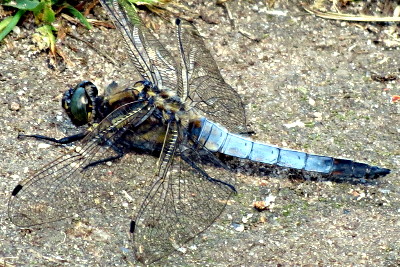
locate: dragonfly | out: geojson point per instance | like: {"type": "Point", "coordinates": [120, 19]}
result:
{"type": "Point", "coordinates": [177, 118]}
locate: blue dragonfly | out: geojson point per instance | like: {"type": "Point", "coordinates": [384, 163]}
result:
{"type": "Point", "coordinates": [181, 113]}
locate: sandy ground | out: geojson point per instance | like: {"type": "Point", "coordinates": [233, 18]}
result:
{"type": "Point", "coordinates": [308, 84]}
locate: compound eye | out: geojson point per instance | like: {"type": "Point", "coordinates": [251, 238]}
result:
{"type": "Point", "coordinates": [80, 108]}
{"type": "Point", "coordinates": [78, 103]}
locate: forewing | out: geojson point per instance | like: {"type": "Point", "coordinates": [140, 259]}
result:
{"type": "Point", "coordinates": [148, 55]}
{"type": "Point", "coordinates": [67, 185]}
{"type": "Point", "coordinates": [203, 86]}
{"type": "Point", "coordinates": [181, 204]}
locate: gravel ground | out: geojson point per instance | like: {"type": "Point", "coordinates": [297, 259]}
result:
{"type": "Point", "coordinates": [310, 84]}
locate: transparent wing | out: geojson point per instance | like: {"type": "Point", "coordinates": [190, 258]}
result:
{"type": "Point", "coordinates": [150, 58]}
{"type": "Point", "coordinates": [203, 86]}
{"type": "Point", "coordinates": [69, 184]}
{"type": "Point", "coordinates": [182, 202]}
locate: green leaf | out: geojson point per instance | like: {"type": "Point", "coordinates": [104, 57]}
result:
{"type": "Point", "coordinates": [48, 14]}
{"type": "Point", "coordinates": [130, 11]}
{"type": "Point", "coordinates": [57, 2]}
{"type": "Point", "coordinates": [39, 9]}
{"type": "Point", "coordinates": [78, 15]}
{"type": "Point", "coordinates": [48, 37]}
{"type": "Point", "coordinates": [11, 23]}
{"type": "Point", "coordinates": [23, 4]}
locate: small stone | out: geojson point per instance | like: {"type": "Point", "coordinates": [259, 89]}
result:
{"type": "Point", "coordinates": [317, 116]}
{"type": "Point", "coordinates": [43, 146]}
{"type": "Point", "coordinates": [245, 219]}
{"type": "Point", "coordinates": [384, 191]}
{"type": "Point", "coordinates": [238, 227]}
{"type": "Point", "coordinates": [396, 11]}
{"type": "Point", "coordinates": [259, 205]}
{"type": "Point", "coordinates": [15, 176]}
{"type": "Point", "coordinates": [16, 30]}
{"type": "Point", "coordinates": [14, 106]}
{"type": "Point", "coordinates": [297, 123]}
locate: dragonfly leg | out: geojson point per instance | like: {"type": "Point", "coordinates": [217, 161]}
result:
{"type": "Point", "coordinates": [119, 152]}
{"type": "Point", "coordinates": [65, 140]}
{"type": "Point", "coordinates": [205, 175]}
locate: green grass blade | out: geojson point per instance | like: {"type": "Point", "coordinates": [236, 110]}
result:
{"type": "Point", "coordinates": [5, 22]}
{"type": "Point", "coordinates": [23, 4]}
{"type": "Point", "coordinates": [78, 15]}
{"type": "Point", "coordinates": [13, 21]}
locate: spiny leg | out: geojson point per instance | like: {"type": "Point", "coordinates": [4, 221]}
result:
{"type": "Point", "coordinates": [65, 140]}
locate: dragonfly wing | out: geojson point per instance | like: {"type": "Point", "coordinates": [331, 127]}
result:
{"type": "Point", "coordinates": [182, 202]}
{"type": "Point", "coordinates": [148, 55]}
{"type": "Point", "coordinates": [203, 85]}
{"type": "Point", "coordinates": [67, 185]}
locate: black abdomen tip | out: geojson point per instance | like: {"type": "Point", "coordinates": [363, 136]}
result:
{"type": "Point", "coordinates": [16, 190]}
{"type": "Point", "coordinates": [376, 172]}
{"type": "Point", "coordinates": [349, 168]}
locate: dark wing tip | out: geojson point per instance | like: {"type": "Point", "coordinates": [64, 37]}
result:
{"type": "Point", "coordinates": [132, 227]}
{"type": "Point", "coordinates": [16, 190]}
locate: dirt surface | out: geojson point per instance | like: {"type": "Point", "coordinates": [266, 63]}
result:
{"type": "Point", "coordinates": [320, 86]}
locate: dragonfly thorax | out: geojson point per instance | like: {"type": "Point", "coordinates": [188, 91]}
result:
{"type": "Point", "coordinates": [84, 106]}
{"type": "Point", "coordinates": [166, 101]}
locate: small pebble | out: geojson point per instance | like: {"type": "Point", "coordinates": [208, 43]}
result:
{"type": "Point", "coordinates": [238, 227]}
{"type": "Point", "coordinates": [14, 106]}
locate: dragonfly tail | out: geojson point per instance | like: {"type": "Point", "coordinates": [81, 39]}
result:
{"type": "Point", "coordinates": [349, 168]}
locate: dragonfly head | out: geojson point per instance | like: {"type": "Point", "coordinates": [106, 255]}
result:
{"type": "Point", "coordinates": [79, 103]}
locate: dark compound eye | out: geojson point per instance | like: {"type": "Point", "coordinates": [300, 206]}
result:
{"type": "Point", "coordinates": [78, 102]}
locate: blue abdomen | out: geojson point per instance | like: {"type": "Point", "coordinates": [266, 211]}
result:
{"type": "Point", "coordinates": [217, 139]}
